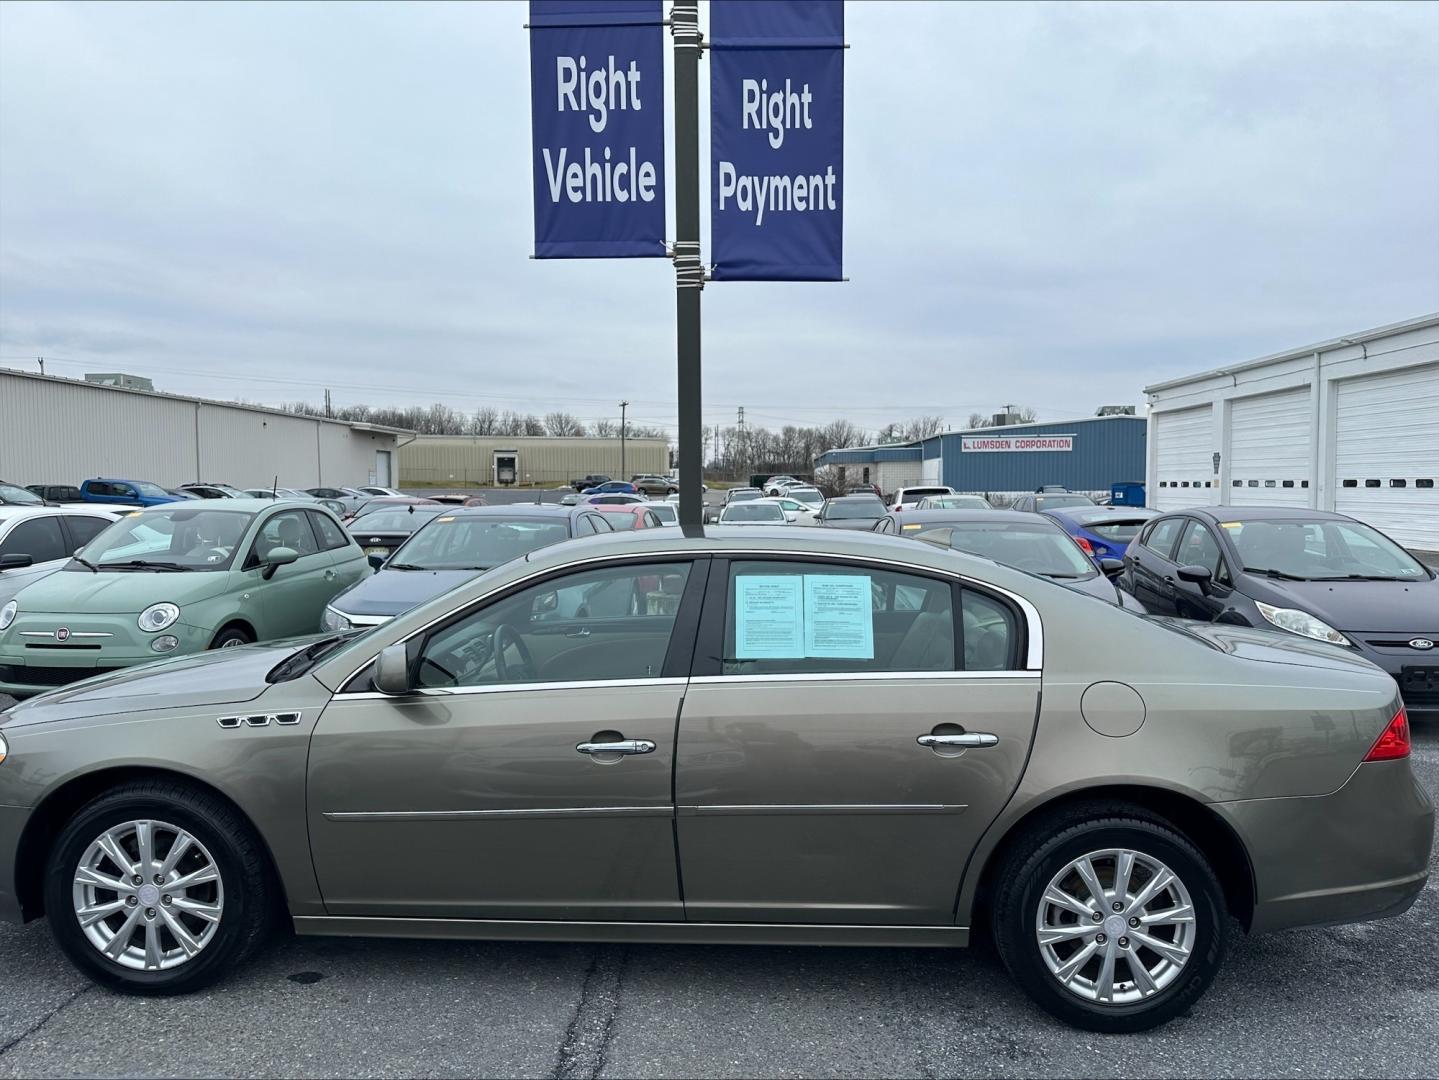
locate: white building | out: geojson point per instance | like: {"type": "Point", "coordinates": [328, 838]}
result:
{"type": "Point", "coordinates": [63, 431]}
{"type": "Point", "coordinates": [1350, 425]}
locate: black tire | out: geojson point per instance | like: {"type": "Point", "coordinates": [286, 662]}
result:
{"type": "Point", "coordinates": [232, 637]}
{"type": "Point", "coordinates": [249, 898]}
{"type": "Point", "coordinates": [1043, 852]}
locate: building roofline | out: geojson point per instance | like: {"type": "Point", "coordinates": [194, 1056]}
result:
{"type": "Point", "coordinates": [358, 425]}
{"type": "Point", "coordinates": [1419, 323]}
{"type": "Point", "coordinates": [1033, 423]}
{"type": "Point", "coordinates": [553, 438]}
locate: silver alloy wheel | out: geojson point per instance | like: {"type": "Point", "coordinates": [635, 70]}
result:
{"type": "Point", "coordinates": [233, 643]}
{"type": "Point", "coordinates": [1115, 926]}
{"type": "Point", "coordinates": [148, 895]}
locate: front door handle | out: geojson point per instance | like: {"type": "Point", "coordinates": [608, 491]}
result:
{"type": "Point", "coordinates": [623, 746]}
{"type": "Point", "coordinates": [583, 631]}
{"type": "Point", "coordinates": [329, 575]}
{"type": "Point", "coordinates": [970, 740]}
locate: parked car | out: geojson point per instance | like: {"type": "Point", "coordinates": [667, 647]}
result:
{"type": "Point", "coordinates": [612, 487]}
{"type": "Point", "coordinates": [125, 492]}
{"type": "Point", "coordinates": [912, 742]}
{"type": "Point", "coordinates": [375, 490]}
{"type": "Point", "coordinates": [808, 494]}
{"type": "Point", "coordinates": [668, 512]}
{"type": "Point", "coordinates": [908, 498]}
{"type": "Point", "coordinates": [349, 497]}
{"type": "Point", "coordinates": [1034, 504]}
{"type": "Point", "coordinates": [376, 503]}
{"type": "Point", "coordinates": [753, 512]}
{"type": "Point", "coordinates": [385, 529]}
{"type": "Point", "coordinates": [629, 516]}
{"type": "Point", "coordinates": [467, 500]}
{"type": "Point", "coordinates": [1313, 574]}
{"type": "Point", "coordinates": [864, 489]}
{"type": "Point", "coordinates": [54, 493]}
{"type": "Point", "coordinates": [590, 480]}
{"type": "Point", "coordinates": [655, 485]}
{"type": "Point", "coordinates": [1026, 542]}
{"type": "Point", "coordinates": [181, 495]}
{"type": "Point", "coordinates": [1104, 532]}
{"type": "Point", "coordinates": [213, 491]}
{"type": "Point", "coordinates": [954, 502]}
{"type": "Point", "coordinates": [615, 498]}
{"type": "Point", "coordinates": [775, 485]}
{"type": "Point", "coordinates": [795, 512]}
{"type": "Point", "coordinates": [450, 549]}
{"type": "Point", "coordinates": [571, 499]}
{"type": "Point", "coordinates": [852, 512]}
{"type": "Point", "coordinates": [278, 493]}
{"type": "Point", "coordinates": [35, 541]}
{"type": "Point", "coordinates": [15, 495]}
{"type": "Point", "coordinates": [176, 579]}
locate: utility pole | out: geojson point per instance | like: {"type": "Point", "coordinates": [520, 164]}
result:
{"type": "Point", "coordinates": [689, 270]}
{"type": "Point", "coordinates": [328, 413]}
{"type": "Point", "coordinates": [743, 447]}
{"type": "Point", "coordinates": [623, 406]}
{"type": "Point", "coordinates": [41, 361]}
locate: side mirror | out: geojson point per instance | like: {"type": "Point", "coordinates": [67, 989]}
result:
{"type": "Point", "coordinates": [1112, 568]}
{"type": "Point", "coordinates": [376, 561]}
{"type": "Point", "coordinates": [15, 562]}
{"type": "Point", "coordinates": [1196, 575]}
{"type": "Point", "coordinates": [278, 557]}
{"type": "Point", "coordinates": [545, 603]}
{"type": "Point", "coordinates": [392, 670]}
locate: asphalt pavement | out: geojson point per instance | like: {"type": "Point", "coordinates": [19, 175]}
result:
{"type": "Point", "coordinates": [1345, 1001]}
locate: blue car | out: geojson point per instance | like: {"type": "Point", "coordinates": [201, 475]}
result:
{"type": "Point", "coordinates": [612, 487]}
{"type": "Point", "coordinates": [125, 492]}
{"type": "Point", "coordinates": [1104, 532]}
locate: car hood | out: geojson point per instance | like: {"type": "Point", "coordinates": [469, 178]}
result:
{"type": "Point", "coordinates": [1402, 608]}
{"type": "Point", "coordinates": [1271, 646]}
{"type": "Point", "coordinates": [389, 592]}
{"type": "Point", "coordinates": [220, 677]}
{"type": "Point", "coordinates": [73, 592]}
{"type": "Point", "coordinates": [1097, 586]}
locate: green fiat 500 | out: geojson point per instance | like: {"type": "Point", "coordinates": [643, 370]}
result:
{"type": "Point", "coordinates": [174, 579]}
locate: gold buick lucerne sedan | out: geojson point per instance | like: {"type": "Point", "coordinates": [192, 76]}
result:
{"type": "Point", "coordinates": [831, 738]}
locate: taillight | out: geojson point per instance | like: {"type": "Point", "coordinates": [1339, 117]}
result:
{"type": "Point", "coordinates": [1393, 742]}
{"type": "Point", "coordinates": [1085, 544]}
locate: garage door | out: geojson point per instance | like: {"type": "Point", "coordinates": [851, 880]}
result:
{"type": "Point", "coordinates": [1183, 459]}
{"type": "Point", "coordinates": [1386, 453]}
{"type": "Point", "coordinates": [1270, 448]}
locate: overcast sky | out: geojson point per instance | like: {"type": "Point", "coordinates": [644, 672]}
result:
{"type": "Point", "coordinates": [1047, 205]}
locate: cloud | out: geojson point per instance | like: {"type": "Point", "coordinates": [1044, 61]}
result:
{"type": "Point", "coordinates": [1047, 204]}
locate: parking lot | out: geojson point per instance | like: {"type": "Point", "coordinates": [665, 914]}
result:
{"type": "Point", "coordinates": [1347, 1001]}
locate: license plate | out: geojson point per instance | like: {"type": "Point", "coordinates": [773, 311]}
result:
{"type": "Point", "coordinates": [377, 551]}
{"type": "Point", "coordinates": [1422, 679]}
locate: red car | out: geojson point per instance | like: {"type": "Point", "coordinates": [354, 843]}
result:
{"type": "Point", "coordinates": [628, 516]}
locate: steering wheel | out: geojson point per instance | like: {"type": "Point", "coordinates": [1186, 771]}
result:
{"type": "Point", "coordinates": [506, 634]}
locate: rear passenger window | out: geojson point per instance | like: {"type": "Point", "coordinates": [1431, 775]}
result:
{"type": "Point", "coordinates": [331, 535]}
{"type": "Point", "coordinates": [991, 635]}
{"type": "Point", "coordinates": [1162, 535]}
{"type": "Point", "coordinates": [785, 618]}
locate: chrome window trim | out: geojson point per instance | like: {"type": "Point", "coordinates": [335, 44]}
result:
{"type": "Point", "coordinates": [1034, 657]}
{"type": "Point", "coordinates": [508, 687]}
{"type": "Point", "coordinates": [857, 676]}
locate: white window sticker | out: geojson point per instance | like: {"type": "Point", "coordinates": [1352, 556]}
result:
{"type": "Point", "coordinates": [838, 619]}
{"type": "Point", "coordinates": [769, 617]}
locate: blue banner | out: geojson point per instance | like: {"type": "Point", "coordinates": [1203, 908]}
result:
{"type": "Point", "coordinates": [777, 140]}
{"type": "Point", "coordinates": [598, 110]}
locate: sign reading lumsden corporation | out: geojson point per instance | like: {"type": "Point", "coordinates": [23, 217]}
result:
{"type": "Point", "coordinates": [598, 110]}
{"type": "Point", "coordinates": [1005, 444]}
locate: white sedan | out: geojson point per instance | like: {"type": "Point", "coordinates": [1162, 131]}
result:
{"type": "Point", "coordinates": [795, 512]}
{"type": "Point", "coordinates": [753, 512]}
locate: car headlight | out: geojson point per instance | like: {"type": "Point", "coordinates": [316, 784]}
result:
{"type": "Point", "coordinates": [4, 748]}
{"type": "Point", "coordinates": [156, 617]}
{"type": "Point", "coordinates": [7, 614]}
{"type": "Point", "coordinates": [1302, 623]}
{"type": "Point", "coordinates": [333, 620]}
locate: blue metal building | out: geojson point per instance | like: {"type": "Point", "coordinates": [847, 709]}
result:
{"type": "Point", "coordinates": [1086, 455]}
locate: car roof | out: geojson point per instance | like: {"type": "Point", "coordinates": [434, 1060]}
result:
{"type": "Point", "coordinates": [1261, 513]}
{"type": "Point", "coordinates": [990, 517]}
{"type": "Point", "coordinates": [1092, 515]}
{"type": "Point", "coordinates": [16, 512]}
{"type": "Point", "coordinates": [226, 506]}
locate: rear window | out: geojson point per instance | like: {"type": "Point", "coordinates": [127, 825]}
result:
{"type": "Point", "coordinates": [1053, 502]}
{"type": "Point", "coordinates": [755, 512]}
{"type": "Point", "coordinates": [910, 494]}
{"type": "Point", "coordinates": [395, 521]}
{"type": "Point", "coordinates": [1123, 531]}
{"type": "Point", "coordinates": [859, 508]}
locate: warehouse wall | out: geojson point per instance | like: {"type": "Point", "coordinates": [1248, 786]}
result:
{"type": "Point", "coordinates": [1106, 450]}
{"type": "Point", "coordinates": [459, 460]}
{"type": "Point", "coordinates": [61, 431]}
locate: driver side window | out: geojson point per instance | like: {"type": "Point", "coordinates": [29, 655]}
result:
{"type": "Point", "coordinates": [598, 624]}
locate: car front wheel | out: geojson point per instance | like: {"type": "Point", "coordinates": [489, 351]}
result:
{"type": "Point", "coordinates": [157, 888]}
{"type": "Point", "coordinates": [1110, 920]}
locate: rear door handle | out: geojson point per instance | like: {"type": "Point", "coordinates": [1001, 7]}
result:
{"type": "Point", "coordinates": [623, 746]}
{"type": "Point", "coordinates": [969, 740]}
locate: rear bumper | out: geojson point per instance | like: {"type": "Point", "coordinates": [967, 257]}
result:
{"type": "Point", "coordinates": [1359, 853]}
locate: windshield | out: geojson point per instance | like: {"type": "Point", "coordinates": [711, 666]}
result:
{"type": "Point", "coordinates": [456, 542]}
{"type": "Point", "coordinates": [1039, 549]}
{"type": "Point", "coordinates": [395, 521]}
{"type": "Point", "coordinates": [955, 502]}
{"type": "Point", "coordinates": [149, 491]}
{"type": "Point", "coordinates": [622, 522]}
{"type": "Point", "coordinates": [859, 508]}
{"type": "Point", "coordinates": [752, 512]}
{"type": "Point", "coordinates": [1051, 502]}
{"type": "Point", "coordinates": [1321, 550]}
{"type": "Point", "coordinates": [744, 495]}
{"type": "Point", "coordinates": [19, 496]}
{"type": "Point", "coordinates": [175, 537]}
{"type": "Point", "coordinates": [809, 496]}
{"type": "Point", "coordinates": [665, 512]}
{"type": "Point", "coordinates": [1122, 531]}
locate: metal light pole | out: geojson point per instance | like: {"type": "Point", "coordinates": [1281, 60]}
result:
{"type": "Point", "coordinates": [689, 270]}
{"type": "Point", "coordinates": [623, 406]}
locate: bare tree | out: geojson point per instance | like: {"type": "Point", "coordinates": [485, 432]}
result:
{"type": "Point", "coordinates": [604, 429]}
{"type": "Point", "coordinates": [1027, 414]}
{"type": "Point", "coordinates": [533, 425]}
{"type": "Point", "coordinates": [563, 425]}
{"type": "Point", "coordinates": [486, 421]}
{"type": "Point", "coordinates": [922, 427]}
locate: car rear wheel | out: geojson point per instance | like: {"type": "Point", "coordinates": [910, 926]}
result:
{"type": "Point", "coordinates": [1110, 920]}
{"type": "Point", "coordinates": [157, 888]}
{"type": "Point", "coordinates": [232, 637]}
